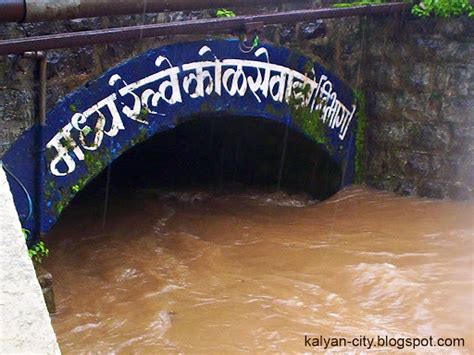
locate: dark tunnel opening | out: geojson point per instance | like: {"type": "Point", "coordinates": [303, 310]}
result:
{"type": "Point", "coordinates": [220, 153]}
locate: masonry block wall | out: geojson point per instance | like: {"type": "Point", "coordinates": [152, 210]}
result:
{"type": "Point", "coordinates": [417, 76]}
{"type": "Point", "coordinates": [418, 79]}
{"type": "Point", "coordinates": [419, 82]}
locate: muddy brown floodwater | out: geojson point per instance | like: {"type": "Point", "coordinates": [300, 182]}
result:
{"type": "Point", "coordinates": [222, 273]}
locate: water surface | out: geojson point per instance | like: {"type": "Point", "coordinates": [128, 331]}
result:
{"type": "Point", "coordinates": [252, 271]}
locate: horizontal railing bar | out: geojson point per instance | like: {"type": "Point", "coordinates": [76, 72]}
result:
{"type": "Point", "coordinates": [51, 10]}
{"type": "Point", "coordinates": [194, 27]}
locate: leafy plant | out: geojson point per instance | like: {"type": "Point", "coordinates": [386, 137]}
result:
{"type": "Point", "coordinates": [359, 3]}
{"type": "Point", "coordinates": [225, 13]}
{"type": "Point", "coordinates": [26, 233]}
{"type": "Point", "coordinates": [37, 251]}
{"type": "Point", "coordinates": [443, 8]}
{"type": "Point", "coordinates": [425, 8]}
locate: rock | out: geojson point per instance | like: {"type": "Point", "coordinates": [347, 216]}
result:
{"type": "Point", "coordinates": [419, 165]}
{"type": "Point", "coordinates": [457, 80]}
{"type": "Point", "coordinates": [463, 140]}
{"type": "Point", "coordinates": [421, 77]}
{"type": "Point", "coordinates": [381, 102]}
{"type": "Point", "coordinates": [458, 109]}
{"type": "Point", "coordinates": [406, 188]}
{"type": "Point", "coordinates": [416, 106]}
{"type": "Point", "coordinates": [419, 84]}
{"type": "Point", "coordinates": [389, 134]}
{"type": "Point", "coordinates": [287, 33]}
{"type": "Point", "coordinates": [431, 189]}
{"type": "Point", "coordinates": [457, 191]}
{"type": "Point", "coordinates": [310, 30]}
{"type": "Point", "coordinates": [430, 138]}
{"type": "Point", "coordinates": [45, 280]}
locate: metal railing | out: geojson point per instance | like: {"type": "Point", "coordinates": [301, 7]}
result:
{"type": "Point", "coordinates": [194, 27]}
{"type": "Point", "coordinates": [49, 10]}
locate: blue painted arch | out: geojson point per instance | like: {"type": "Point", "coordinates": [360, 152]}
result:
{"type": "Point", "coordinates": [152, 93]}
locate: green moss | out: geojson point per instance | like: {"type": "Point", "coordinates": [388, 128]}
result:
{"type": "Point", "coordinates": [60, 205]}
{"type": "Point", "coordinates": [312, 125]}
{"type": "Point", "coordinates": [51, 184]}
{"type": "Point", "coordinates": [69, 144]}
{"type": "Point", "coordinates": [63, 197]}
{"type": "Point", "coordinates": [273, 111]}
{"type": "Point", "coordinates": [360, 136]}
{"type": "Point", "coordinates": [143, 115]}
{"type": "Point", "coordinates": [309, 66]}
{"type": "Point", "coordinates": [49, 189]}
{"type": "Point", "coordinates": [310, 122]}
{"type": "Point", "coordinates": [86, 130]}
{"type": "Point", "coordinates": [141, 136]}
{"type": "Point", "coordinates": [93, 164]}
{"type": "Point", "coordinates": [53, 192]}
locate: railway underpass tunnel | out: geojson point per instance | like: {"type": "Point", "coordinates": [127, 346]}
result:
{"type": "Point", "coordinates": [219, 153]}
{"type": "Point", "coordinates": [257, 123]}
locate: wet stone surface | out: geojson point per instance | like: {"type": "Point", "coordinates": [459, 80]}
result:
{"type": "Point", "coordinates": [417, 77]}
{"type": "Point", "coordinates": [45, 280]}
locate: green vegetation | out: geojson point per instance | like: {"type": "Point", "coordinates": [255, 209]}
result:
{"type": "Point", "coordinates": [443, 8]}
{"type": "Point", "coordinates": [60, 205]}
{"type": "Point", "coordinates": [225, 13]}
{"type": "Point", "coordinates": [256, 41]}
{"type": "Point", "coordinates": [73, 108]}
{"type": "Point", "coordinates": [143, 115]}
{"type": "Point", "coordinates": [95, 162]}
{"type": "Point", "coordinates": [86, 130]}
{"type": "Point", "coordinates": [360, 136]}
{"type": "Point", "coordinates": [37, 251]}
{"type": "Point", "coordinates": [359, 3]}
{"type": "Point", "coordinates": [309, 121]}
{"type": "Point", "coordinates": [426, 8]}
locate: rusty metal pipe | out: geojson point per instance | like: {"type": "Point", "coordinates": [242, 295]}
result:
{"type": "Point", "coordinates": [12, 10]}
{"type": "Point", "coordinates": [42, 59]}
{"type": "Point", "coordinates": [50, 10]}
{"type": "Point", "coordinates": [195, 27]}
{"type": "Point", "coordinates": [43, 65]}
{"type": "Point", "coordinates": [42, 90]}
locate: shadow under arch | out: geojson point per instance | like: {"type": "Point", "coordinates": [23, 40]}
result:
{"type": "Point", "coordinates": [224, 153]}
{"type": "Point", "coordinates": [157, 91]}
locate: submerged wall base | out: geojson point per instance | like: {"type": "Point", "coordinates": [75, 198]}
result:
{"type": "Point", "coordinates": [26, 327]}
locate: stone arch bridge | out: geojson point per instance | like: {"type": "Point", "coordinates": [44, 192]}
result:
{"type": "Point", "coordinates": [156, 91]}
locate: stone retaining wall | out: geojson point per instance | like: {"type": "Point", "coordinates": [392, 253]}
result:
{"type": "Point", "coordinates": [419, 82]}
{"type": "Point", "coordinates": [417, 76]}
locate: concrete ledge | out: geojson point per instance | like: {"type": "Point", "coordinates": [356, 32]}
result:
{"type": "Point", "coordinates": [25, 326]}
